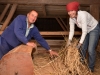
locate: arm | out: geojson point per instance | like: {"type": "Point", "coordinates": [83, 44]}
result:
{"type": "Point", "coordinates": [19, 31]}
{"type": "Point", "coordinates": [84, 28]}
{"type": "Point", "coordinates": [39, 38]}
{"type": "Point", "coordinates": [42, 42]}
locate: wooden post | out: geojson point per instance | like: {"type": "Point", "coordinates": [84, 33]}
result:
{"type": "Point", "coordinates": [14, 6]}
{"type": "Point", "coordinates": [17, 62]}
{"type": "Point", "coordinates": [4, 12]}
{"type": "Point", "coordinates": [94, 10]}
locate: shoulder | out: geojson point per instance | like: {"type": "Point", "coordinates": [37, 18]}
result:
{"type": "Point", "coordinates": [82, 12]}
{"type": "Point", "coordinates": [20, 17]}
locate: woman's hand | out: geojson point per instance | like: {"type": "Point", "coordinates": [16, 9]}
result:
{"type": "Point", "coordinates": [79, 46]}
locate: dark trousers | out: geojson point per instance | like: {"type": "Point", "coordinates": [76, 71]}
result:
{"type": "Point", "coordinates": [4, 47]}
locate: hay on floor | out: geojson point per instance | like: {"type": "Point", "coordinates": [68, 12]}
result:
{"type": "Point", "coordinates": [67, 63]}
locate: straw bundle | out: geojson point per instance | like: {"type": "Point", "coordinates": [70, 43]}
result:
{"type": "Point", "coordinates": [67, 63]}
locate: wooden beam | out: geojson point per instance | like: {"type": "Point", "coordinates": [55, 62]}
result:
{"type": "Point", "coordinates": [19, 61]}
{"type": "Point", "coordinates": [54, 45]}
{"type": "Point", "coordinates": [51, 42]}
{"type": "Point", "coordinates": [58, 2]}
{"type": "Point", "coordinates": [51, 16]}
{"type": "Point", "coordinates": [60, 24]}
{"type": "Point", "coordinates": [11, 13]}
{"type": "Point", "coordinates": [4, 12]}
{"type": "Point", "coordinates": [55, 42]}
{"type": "Point", "coordinates": [57, 33]}
{"type": "Point", "coordinates": [94, 10]}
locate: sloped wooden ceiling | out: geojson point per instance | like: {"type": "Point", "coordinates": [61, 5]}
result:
{"type": "Point", "coordinates": [46, 8]}
{"type": "Point", "coordinates": [54, 10]}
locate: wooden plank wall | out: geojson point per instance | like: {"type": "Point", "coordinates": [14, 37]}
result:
{"type": "Point", "coordinates": [95, 11]}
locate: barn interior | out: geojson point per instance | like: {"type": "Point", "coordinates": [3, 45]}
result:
{"type": "Point", "coordinates": [53, 20]}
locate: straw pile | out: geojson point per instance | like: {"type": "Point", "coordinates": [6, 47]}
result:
{"type": "Point", "coordinates": [67, 63]}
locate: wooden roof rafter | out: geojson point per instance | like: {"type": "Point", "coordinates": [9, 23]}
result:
{"type": "Point", "coordinates": [4, 12]}
{"type": "Point", "coordinates": [60, 24]}
{"type": "Point", "coordinates": [11, 13]}
{"type": "Point", "coordinates": [66, 26]}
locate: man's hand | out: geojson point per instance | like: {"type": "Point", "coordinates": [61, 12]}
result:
{"type": "Point", "coordinates": [68, 43]}
{"type": "Point", "coordinates": [32, 44]}
{"type": "Point", "coordinates": [79, 46]}
{"type": "Point", "coordinates": [53, 54]}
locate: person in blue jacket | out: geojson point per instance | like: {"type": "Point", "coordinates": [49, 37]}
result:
{"type": "Point", "coordinates": [20, 31]}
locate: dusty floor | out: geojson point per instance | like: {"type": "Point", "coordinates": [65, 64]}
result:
{"type": "Point", "coordinates": [41, 66]}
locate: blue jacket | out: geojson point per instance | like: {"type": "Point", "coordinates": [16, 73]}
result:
{"type": "Point", "coordinates": [14, 34]}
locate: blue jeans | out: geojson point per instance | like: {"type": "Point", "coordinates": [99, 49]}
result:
{"type": "Point", "coordinates": [90, 43]}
